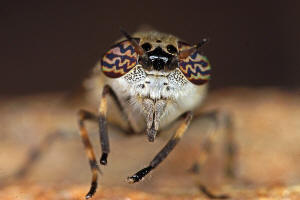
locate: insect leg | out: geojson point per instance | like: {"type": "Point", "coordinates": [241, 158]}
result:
{"type": "Point", "coordinates": [221, 121]}
{"type": "Point", "coordinates": [231, 147]}
{"type": "Point", "coordinates": [85, 115]}
{"type": "Point", "coordinates": [166, 149]}
{"type": "Point", "coordinates": [104, 140]}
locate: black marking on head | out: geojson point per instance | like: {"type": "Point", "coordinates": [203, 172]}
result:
{"type": "Point", "coordinates": [147, 46]}
{"type": "Point", "coordinates": [171, 49]}
{"type": "Point", "coordinates": [159, 58]}
{"type": "Point", "coordinates": [158, 41]}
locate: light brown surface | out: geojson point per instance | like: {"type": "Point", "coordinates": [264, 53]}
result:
{"type": "Point", "coordinates": [267, 128]}
{"type": "Point", "coordinates": [122, 193]}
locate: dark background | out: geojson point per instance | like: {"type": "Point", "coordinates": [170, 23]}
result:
{"type": "Point", "coordinates": [52, 46]}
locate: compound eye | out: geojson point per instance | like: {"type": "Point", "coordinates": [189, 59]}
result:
{"type": "Point", "coordinates": [171, 49]}
{"type": "Point", "coordinates": [196, 68]}
{"type": "Point", "coordinates": [147, 46]}
{"type": "Point", "coordinates": [119, 60]}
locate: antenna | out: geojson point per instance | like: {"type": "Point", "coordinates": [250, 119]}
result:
{"type": "Point", "coordinates": [185, 53]}
{"type": "Point", "coordinates": [138, 49]}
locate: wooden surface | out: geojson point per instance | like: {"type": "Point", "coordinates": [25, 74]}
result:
{"type": "Point", "coordinates": [267, 129]}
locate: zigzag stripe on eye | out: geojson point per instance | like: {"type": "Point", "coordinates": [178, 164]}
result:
{"type": "Point", "coordinates": [194, 69]}
{"type": "Point", "coordinates": [115, 73]}
{"type": "Point", "coordinates": [199, 77]}
{"type": "Point", "coordinates": [117, 66]}
{"type": "Point", "coordinates": [119, 60]}
{"type": "Point", "coordinates": [197, 58]}
{"type": "Point", "coordinates": [123, 49]}
{"type": "Point", "coordinates": [110, 58]}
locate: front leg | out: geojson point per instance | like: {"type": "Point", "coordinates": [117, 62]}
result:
{"type": "Point", "coordinates": [187, 117]}
{"type": "Point", "coordinates": [85, 115]}
{"type": "Point", "coordinates": [104, 140]}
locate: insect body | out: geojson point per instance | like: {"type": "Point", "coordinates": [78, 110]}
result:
{"type": "Point", "coordinates": [154, 77]}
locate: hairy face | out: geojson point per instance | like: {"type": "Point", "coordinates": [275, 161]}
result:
{"type": "Point", "coordinates": [161, 51]}
{"type": "Point", "coordinates": [155, 70]}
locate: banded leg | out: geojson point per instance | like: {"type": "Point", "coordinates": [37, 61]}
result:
{"type": "Point", "coordinates": [223, 122]}
{"type": "Point", "coordinates": [166, 149]}
{"type": "Point", "coordinates": [85, 115]}
{"type": "Point", "coordinates": [104, 140]}
{"type": "Point", "coordinates": [230, 148]}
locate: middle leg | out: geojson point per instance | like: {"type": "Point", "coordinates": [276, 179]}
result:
{"type": "Point", "coordinates": [221, 121]}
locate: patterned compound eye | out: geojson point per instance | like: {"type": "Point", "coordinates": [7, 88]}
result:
{"type": "Point", "coordinates": [119, 60]}
{"type": "Point", "coordinates": [195, 67]}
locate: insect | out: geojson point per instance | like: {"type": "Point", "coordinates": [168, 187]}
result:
{"type": "Point", "coordinates": [154, 79]}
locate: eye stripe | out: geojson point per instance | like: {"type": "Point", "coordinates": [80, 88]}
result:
{"type": "Point", "coordinates": [123, 58]}
{"type": "Point", "coordinates": [196, 68]}
{"type": "Point", "coordinates": [119, 60]}
{"type": "Point", "coordinates": [147, 46]}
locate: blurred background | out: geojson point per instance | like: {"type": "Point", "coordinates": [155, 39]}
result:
{"type": "Point", "coordinates": [52, 46]}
